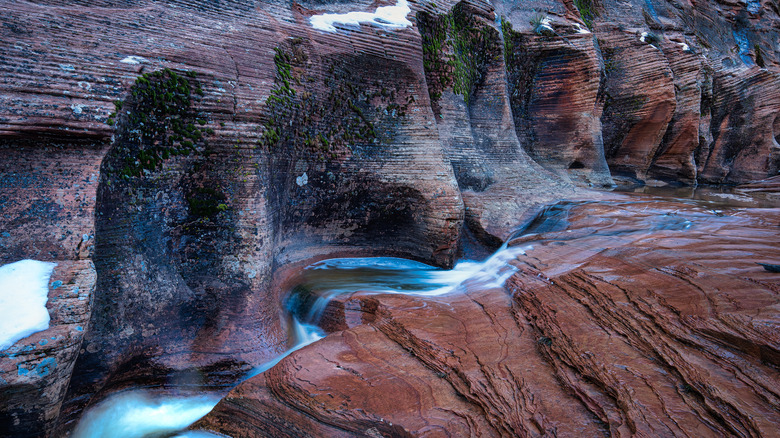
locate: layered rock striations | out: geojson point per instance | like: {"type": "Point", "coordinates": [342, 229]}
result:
{"type": "Point", "coordinates": [197, 153]}
{"type": "Point", "coordinates": [638, 317]}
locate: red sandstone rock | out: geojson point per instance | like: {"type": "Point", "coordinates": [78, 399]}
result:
{"type": "Point", "coordinates": [675, 160]}
{"type": "Point", "coordinates": [634, 121]}
{"type": "Point", "coordinates": [554, 86]}
{"type": "Point", "coordinates": [178, 294]}
{"type": "Point", "coordinates": [642, 317]}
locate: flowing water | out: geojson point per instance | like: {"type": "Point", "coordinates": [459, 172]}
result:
{"type": "Point", "coordinates": [322, 281]}
{"type": "Point", "coordinates": [146, 414]}
{"type": "Point", "coordinates": [143, 413]}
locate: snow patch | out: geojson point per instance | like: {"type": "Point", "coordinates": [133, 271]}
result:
{"type": "Point", "coordinates": [544, 25]}
{"type": "Point", "coordinates": [685, 47]}
{"type": "Point", "coordinates": [77, 108]}
{"type": "Point", "coordinates": [302, 180]}
{"type": "Point", "coordinates": [390, 17]}
{"type": "Point", "coordinates": [580, 29]}
{"type": "Point", "coordinates": [24, 290]}
{"type": "Point", "coordinates": [133, 60]}
{"type": "Point", "coordinates": [643, 36]}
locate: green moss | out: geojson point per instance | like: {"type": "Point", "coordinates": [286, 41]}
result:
{"type": "Point", "coordinates": [206, 202]}
{"type": "Point", "coordinates": [301, 117]}
{"type": "Point", "coordinates": [509, 36]}
{"type": "Point", "coordinates": [157, 122]}
{"type": "Point", "coordinates": [457, 48]}
{"type": "Point", "coordinates": [610, 59]}
{"type": "Point", "coordinates": [473, 46]}
{"type": "Point", "coordinates": [507, 32]}
{"type": "Point", "coordinates": [759, 56]}
{"type": "Point", "coordinates": [434, 44]}
{"type": "Point", "coordinates": [587, 11]}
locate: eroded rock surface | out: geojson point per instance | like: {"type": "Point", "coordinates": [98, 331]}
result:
{"type": "Point", "coordinates": [638, 317]}
{"type": "Point", "coordinates": [369, 140]}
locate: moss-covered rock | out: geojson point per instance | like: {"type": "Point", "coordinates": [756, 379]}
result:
{"type": "Point", "coordinates": [157, 121]}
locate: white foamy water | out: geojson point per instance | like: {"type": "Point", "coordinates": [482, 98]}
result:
{"type": "Point", "coordinates": [393, 275]}
{"type": "Point", "coordinates": [197, 434]}
{"type": "Point", "coordinates": [330, 278]}
{"type": "Point", "coordinates": [389, 17]}
{"type": "Point", "coordinates": [24, 291]}
{"type": "Point", "coordinates": [140, 413]}
{"type": "Point", "coordinates": [304, 334]}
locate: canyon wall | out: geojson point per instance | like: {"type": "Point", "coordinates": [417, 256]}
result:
{"type": "Point", "coordinates": [178, 159]}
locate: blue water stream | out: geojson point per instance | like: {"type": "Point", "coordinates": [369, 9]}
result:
{"type": "Point", "coordinates": [147, 413]}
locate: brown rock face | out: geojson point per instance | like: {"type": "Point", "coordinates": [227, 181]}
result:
{"type": "Point", "coordinates": [554, 86]}
{"type": "Point", "coordinates": [639, 317]}
{"type": "Point", "coordinates": [674, 69]}
{"type": "Point", "coordinates": [634, 121]}
{"type": "Point", "coordinates": [197, 153]}
{"type": "Point", "coordinates": [474, 116]}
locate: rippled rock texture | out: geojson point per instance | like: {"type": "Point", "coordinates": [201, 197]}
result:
{"type": "Point", "coordinates": [630, 317]}
{"type": "Point", "coordinates": [197, 152]}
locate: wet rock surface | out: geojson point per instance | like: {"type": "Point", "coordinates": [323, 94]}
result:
{"type": "Point", "coordinates": [638, 316]}
{"type": "Point", "coordinates": [422, 142]}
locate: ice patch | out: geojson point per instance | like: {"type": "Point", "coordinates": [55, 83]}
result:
{"type": "Point", "coordinates": [24, 290]}
{"type": "Point", "coordinates": [643, 36]}
{"type": "Point", "coordinates": [77, 108]}
{"type": "Point", "coordinates": [137, 414]}
{"type": "Point", "coordinates": [133, 60]}
{"type": "Point", "coordinates": [390, 17]}
{"type": "Point", "coordinates": [580, 29]}
{"type": "Point", "coordinates": [302, 180]}
{"type": "Point", "coordinates": [546, 23]}
{"type": "Point", "coordinates": [685, 47]}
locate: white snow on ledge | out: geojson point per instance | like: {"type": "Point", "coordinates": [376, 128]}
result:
{"type": "Point", "coordinates": [24, 290]}
{"type": "Point", "coordinates": [391, 17]}
{"type": "Point", "coordinates": [133, 60]}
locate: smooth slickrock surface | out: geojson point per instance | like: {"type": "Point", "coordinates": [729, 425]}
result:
{"type": "Point", "coordinates": [640, 317]}
{"type": "Point", "coordinates": [412, 142]}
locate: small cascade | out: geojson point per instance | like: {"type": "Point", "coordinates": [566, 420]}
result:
{"type": "Point", "coordinates": [324, 280]}
{"type": "Point", "coordinates": [141, 413]}
{"type": "Point", "coordinates": [304, 334]}
{"type": "Point", "coordinates": [144, 414]}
